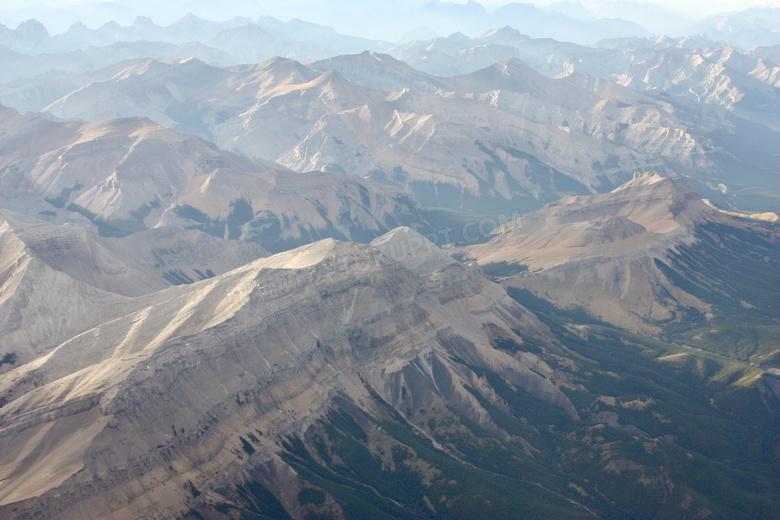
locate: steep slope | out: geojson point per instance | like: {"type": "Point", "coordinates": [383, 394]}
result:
{"type": "Point", "coordinates": [58, 281]}
{"type": "Point", "coordinates": [329, 321]}
{"type": "Point", "coordinates": [382, 381]}
{"type": "Point", "coordinates": [127, 175]}
{"type": "Point", "coordinates": [41, 306]}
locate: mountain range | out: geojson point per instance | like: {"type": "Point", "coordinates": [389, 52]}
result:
{"type": "Point", "coordinates": [256, 268]}
{"type": "Point", "coordinates": [127, 175]}
{"type": "Point", "coordinates": [392, 380]}
{"type": "Point", "coordinates": [267, 34]}
{"type": "Point", "coordinates": [401, 21]}
{"type": "Point", "coordinates": [696, 67]}
{"type": "Point", "coordinates": [522, 139]}
{"type": "Point", "coordinates": [327, 306]}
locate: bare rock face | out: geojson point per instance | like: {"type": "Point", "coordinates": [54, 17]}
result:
{"type": "Point", "coordinates": [607, 245]}
{"type": "Point", "coordinates": [128, 175]}
{"type": "Point", "coordinates": [118, 419]}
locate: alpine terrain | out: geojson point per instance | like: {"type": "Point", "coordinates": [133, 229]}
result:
{"type": "Point", "coordinates": [389, 260]}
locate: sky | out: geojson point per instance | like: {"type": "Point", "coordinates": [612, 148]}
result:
{"type": "Point", "coordinates": [691, 6]}
{"type": "Point", "coordinates": [164, 12]}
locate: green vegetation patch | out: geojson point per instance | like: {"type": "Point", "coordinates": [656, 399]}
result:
{"type": "Point", "coordinates": [109, 227]}
{"type": "Point", "coordinates": [503, 268]}
{"type": "Point", "coordinates": [60, 200]}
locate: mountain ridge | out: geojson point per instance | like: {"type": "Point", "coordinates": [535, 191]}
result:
{"type": "Point", "coordinates": [89, 172]}
{"type": "Point", "coordinates": [615, 245]}
{"type": "Point", "coordinates": [159, 333]}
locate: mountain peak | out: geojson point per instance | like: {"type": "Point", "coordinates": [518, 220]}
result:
{"type": "Point", "coordinates": [647, 178]}
{"type": "Point", "coordinates": [648, 213]}
{"type": "Point", "coordinates": [504, 30]}
{"type": "Point", "coordinates": [515, 64]}
{"type": "Point", "coordinates": [189, 17]}
{"type": "Point", "coordinates": [458, 37]}
{"type": "Point", "coordinates": [142, 22]}
{"type": "Point", "coordinates": [417, 253]}
{"type": "Point", "coordinates": [676, 194]}
{"type": "Point", "coordinates": [307, 255]}
{"type": "Point", "coordinates": [32, 29]}
{"type": "Point", "coordinates": [504, 35]}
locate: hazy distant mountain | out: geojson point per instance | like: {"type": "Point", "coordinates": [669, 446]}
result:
{"type": "Point", "coordinates": [393, 21]}
{"type": "Point", "coordinates": [773, 52]}
{"type": "Point", "coordinates": [754, 27]}
{"type": "Point", "coordinates": [697, 69]}
{"type": "Point", "coordinates": [505, 136]}
{"type": "Point", "coordinates": [694, 67]}
{"type": "Point", "coordinates": [244, 40]}
{"type": "Point", "coordinates": [540, 24]}
{"type": "Point", "coordinates": [33, 82]}
{"type": "Point", "coordinates": [127, 175]}
{"type": "Point", "coordinates": [30, 37]}
{"type": "Point", "coordinates": [451, 55]}
{"type": "Point", "coordinates": [381, 72]}
{"type": "Point", "coordinates": [39, 69]}
{"type": "Point", "coordinates": [655, 17]}
{"type": "Point", "coordinates": [572, 9]}
{"type": "Point", "coordinates": [458, 54]}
